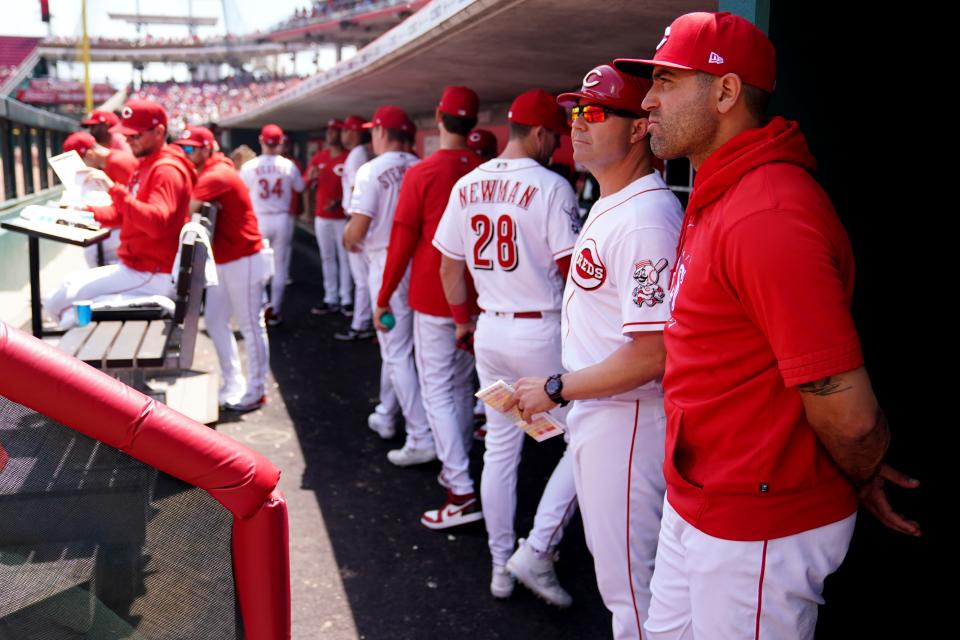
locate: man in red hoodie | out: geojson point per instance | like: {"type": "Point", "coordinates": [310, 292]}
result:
{"type": "Point", "coordinates": [150, 210]}
{"type": "Point", "coordinates": [242, 273]}
{"type": "Point", "coordinates": [118, 165]}
{"type": "Point", "coordinates": [773, 430]}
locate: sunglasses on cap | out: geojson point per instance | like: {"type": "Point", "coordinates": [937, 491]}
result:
{"type": "Point", "coordinates": [594, 113]}
{"type": "Point", "coordinates": [188, 148]}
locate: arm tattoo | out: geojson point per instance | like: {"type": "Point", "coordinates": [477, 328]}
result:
{"type": "Point", "coordinates": [823, 387]}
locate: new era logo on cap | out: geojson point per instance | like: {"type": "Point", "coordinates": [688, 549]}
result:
{"type": "Point", "coordinates": [692, 41]}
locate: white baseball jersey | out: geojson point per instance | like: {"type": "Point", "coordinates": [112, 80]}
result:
{"type": "Point", "coordinates": [619, 274]}
{"type": "Point", "coordinates": [357, 157]}
{"type": "Point", "coordinates": [271, 181]}
{"type": "Point", "coordinates": [375, 195]}
{"type": "Point", "coordinates": [510, 220]}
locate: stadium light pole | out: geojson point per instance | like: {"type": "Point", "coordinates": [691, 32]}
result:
{"type": "Point", "coordinates": [85, 52]}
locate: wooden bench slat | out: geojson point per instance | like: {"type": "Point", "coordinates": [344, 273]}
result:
{"type": "Point", "coordinates": [97, 346]}
{"type": "Point", "coordinates": [154, 344]}
{"type": "Point", "coordinates": [75, 338]}
{"type": "Point", "coordinates": [125, 347]}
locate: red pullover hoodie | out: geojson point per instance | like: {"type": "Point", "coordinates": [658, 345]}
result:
{"type": "Point", "coordinates": [151, 209]}
{"type": "Point", "coordinates": [760, 301]}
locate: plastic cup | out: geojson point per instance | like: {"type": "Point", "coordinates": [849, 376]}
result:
{"type": "Point", "coordinates": [84, 312]}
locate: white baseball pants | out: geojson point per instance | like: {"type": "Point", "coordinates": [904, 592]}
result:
{"type": "Point", "coordinates": [278, 229]}
{"type": "Point", "coordinates": [334, 260]}
{"type": "Point", "coordinates": [107, 280]}
{"type": "Point", "coordinates": [446, 384]}
{"type": "Point", "coordinates": [362, 311]}
{"type": "Point", "coordinates": [706, 587]}
{"type": "Point", "coordinates": [396, 350]}
{"type": "Point", "coordinates": [240, 293]}
{"type": "Point", "coordinates": [509, 348]}
{"type": "Point", "coordinates": [617, 450]}
{"type": "Point", "coordinates": [110, 245]}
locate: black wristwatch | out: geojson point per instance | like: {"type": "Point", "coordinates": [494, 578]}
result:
{"type": "Point", "coordinates": [554, 388]}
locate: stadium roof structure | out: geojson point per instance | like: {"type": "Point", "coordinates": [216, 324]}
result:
{"type": "Point", "coordinates": [500, 48]}
{"type": "Point", "coordinates": [141, 18]}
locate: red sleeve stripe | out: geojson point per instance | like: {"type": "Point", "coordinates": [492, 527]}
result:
{"type": "Point", "coordinates": [631, 324]}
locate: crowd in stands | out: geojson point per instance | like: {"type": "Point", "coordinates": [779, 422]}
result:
{"type": "Point", "coordinates": [150, 41]}
{"type": "Point", "coordinates": [200, 102]}
{"type": "Point", "coordinates": [322, 10]}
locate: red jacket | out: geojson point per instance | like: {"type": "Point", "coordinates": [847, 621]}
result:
{"type": "Point", "coordinates": [760, 303]}
{"type": "Point", "coordinates": [151, 209]}
{"type": "Point", "coordinates": [120, 166]}
{"type": "Point", "coordinates": [423, 198]}
{"type": "Point", "coordinates": [329, 186]}
{"type": "Point", "coordinates": [237, 234]}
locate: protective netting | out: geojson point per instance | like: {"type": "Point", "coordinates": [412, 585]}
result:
{"type": "Point", "coordinates": [95, 545]}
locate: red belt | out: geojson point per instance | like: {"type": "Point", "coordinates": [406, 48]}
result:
{"type": "Point", "coordinates": [516, 314]}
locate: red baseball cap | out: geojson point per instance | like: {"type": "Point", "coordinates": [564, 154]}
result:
{"type": "Point", "coordinates": [391, 117]}
{"type": "Point", "coordinates": [715, 43]}
{"type": "Point", "coordinates": [482, 140]}
{"type": "Point", "coordinates": [79, 141]}
{"type": "Point", "coordinates": [138, 116]}
{"type": "Point", "coordinates": [459, 101]}
{"type": "Point", "coordinates": [335, 123]}
{"type": "Point", "coordinates": [108, 118]}
{"type": "Point", "coordinates": [197, 137]}
{"type": "Point", "coordinates": [609, 87]}
{"type": "Point", "coordinates": [538, 108]}
{"type": "Point", "coordinates": [271, 134]}
{"type": "Point", "coordinates": [353, 123]}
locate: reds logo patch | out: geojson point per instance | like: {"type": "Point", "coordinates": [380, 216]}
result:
{"type": "Point", "coordinates": [588, 271]}
{"type": "Point", "coordinates": [648, 292]}
{"type": "Point", "coordinates": [127, 113]}
{"type": "Point", "coordinates": [338, 169]}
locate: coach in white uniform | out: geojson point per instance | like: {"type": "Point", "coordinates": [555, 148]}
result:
{"type": "Point", "coordinates": [512, 222]}
{"type": "Point", "coordinates": [614, 309]}
{"type": "Point", "coordinates": [272, 180]}
{"type": "Point", "coordinates": [371, 217]}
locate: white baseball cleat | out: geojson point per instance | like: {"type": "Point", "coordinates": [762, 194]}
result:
{"type": "Point", "coordinates": [409, 456]}
{"type": "Point", "coordinates": [501, 583]}
{"type": "Point", "coordinates": [382, 425]}
{"type": "Point", "coordinates": [535, 572]}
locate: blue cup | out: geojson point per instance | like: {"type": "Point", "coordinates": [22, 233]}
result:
{"type": "Point", "coordinates": [84, 312]}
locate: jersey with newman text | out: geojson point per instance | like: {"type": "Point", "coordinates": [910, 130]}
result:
{"type": "Point", "coordinates": [511, 220]}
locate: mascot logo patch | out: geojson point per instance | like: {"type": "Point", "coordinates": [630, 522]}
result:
{"type": "Point", "coordinates": [588, 270]}
{"type": "Point", "coordinates": [648, 292]}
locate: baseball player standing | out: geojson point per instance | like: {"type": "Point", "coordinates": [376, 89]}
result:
{"type": "Point", "coordinates": [150, 211]}
{"type": "Point", "coordinates": [772, 426]}
{"type": "Point", "coordinates": [271, 182]}
{"type": "Point", "coordinates": [512, 223]}
{"type": "Point", "coordinates": [371, 216]}
{"type": "Point", "coordinates": [119, 167]}
{"type": "Point", "coordinates": [242, 273]}
{"type": "Point", "coordinates": [325, 171]}
{"type": "Point", "coordinates": [356, 140]}
{"type": "Point", "coordinates": [445, 371]}
{"type": "Point", "coordinates": [614, 310]}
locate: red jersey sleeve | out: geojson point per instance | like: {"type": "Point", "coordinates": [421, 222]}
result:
{"type": "Point", "coordinates": [210, 185]}
{"type": "Point", "coordinates": [794, 276]}
{"type": "Point", "coordinates": [404, 236]}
